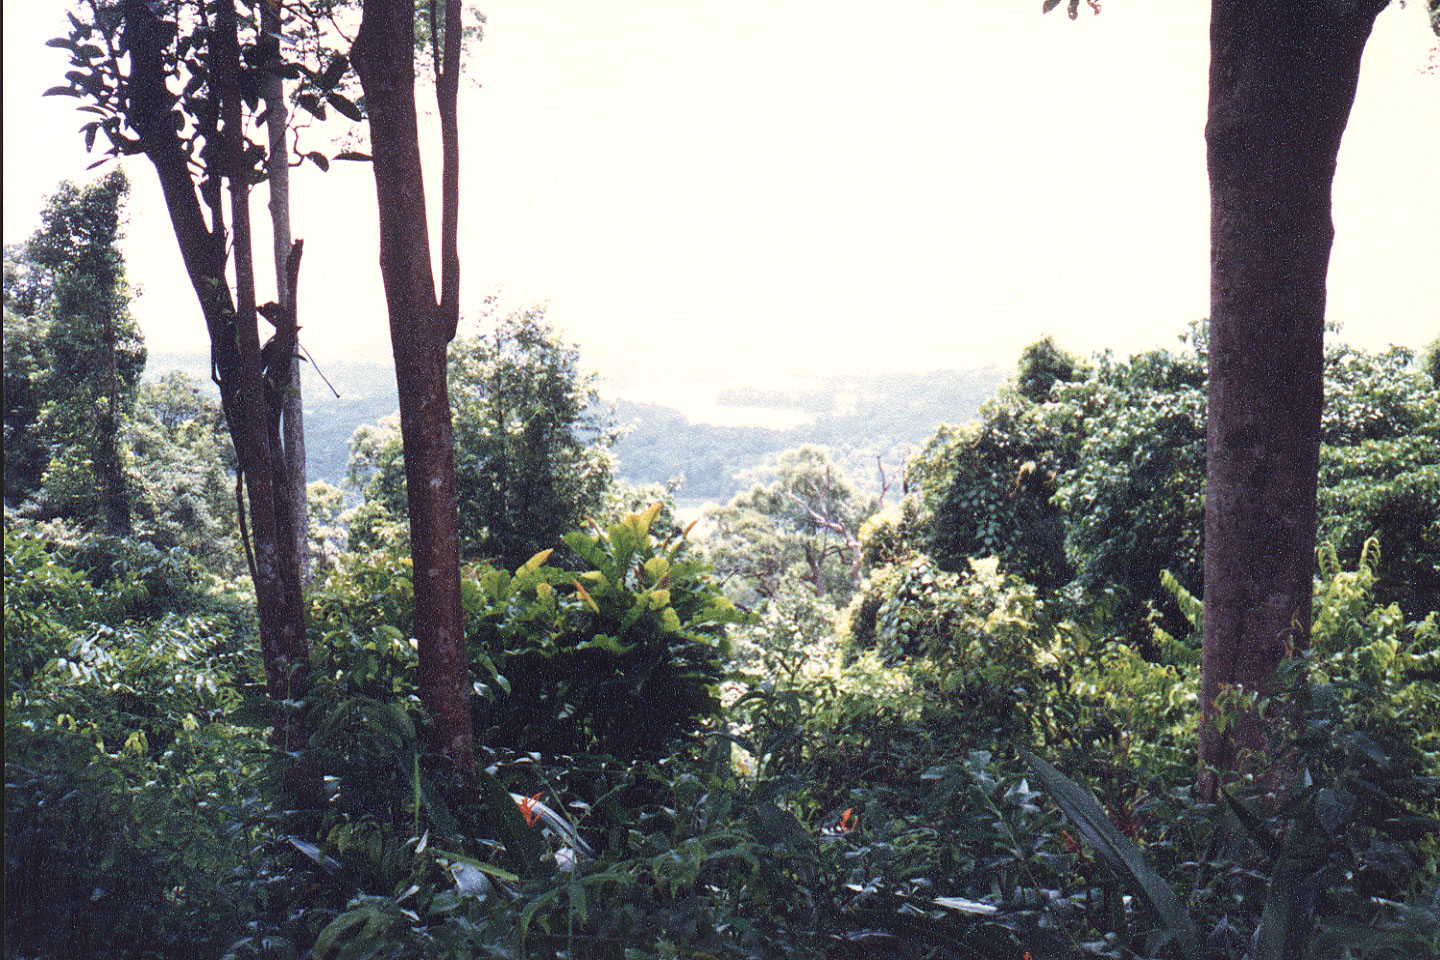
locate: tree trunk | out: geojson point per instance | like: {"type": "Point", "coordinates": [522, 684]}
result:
{"type": "Point", "coordinates": [234, 340]}
{"type": "Point", "coordinates": [1282, 81]}
{"type": "Point", "coordinates": [420, 331]}
{"type": "Point", "coordinates": [111, 470]}
{"type": "Point", "coordinates": [292, 405]}
{"type": "Point", "coordinates": [277, 576]}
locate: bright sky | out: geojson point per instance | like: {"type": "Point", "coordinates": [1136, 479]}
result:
{"type": "Point", "coordinates": [813, 187]}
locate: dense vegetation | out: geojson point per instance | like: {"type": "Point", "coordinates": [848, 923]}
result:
{"type": "Point", "coordinates": [1012, 715]}
{"type": "Point", "coordinates": [960, 725]}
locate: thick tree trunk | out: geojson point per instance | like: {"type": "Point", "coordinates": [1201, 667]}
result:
{"type": "Point", "coordinates": [234, 339]}
{"type": "Point", "coordinates": [420, 331]}
{"type": "Point", "coordinates": [278, 174]}
{"type": "Point", "coordinates": [1282, 81]}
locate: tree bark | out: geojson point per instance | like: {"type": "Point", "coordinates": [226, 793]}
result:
{"type": "Point", "coordinates": [234, 339]}
{"type": "Point", "coordinates": [278, 178]}
{"type": "Point", "coordinates": [277, 575]}
{"type": "Point", "coordinates": [420, 332]}
{"type": "Point", "coordinates": [111, 470]}
{"type": "Point", "coordinates": [1282, 81]}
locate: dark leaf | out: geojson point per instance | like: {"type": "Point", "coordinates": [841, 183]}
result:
{"type": "Point", "coordinates": [61, 92]}
{"type": "Point", "coordinates": [1119, 851]}
{"type": "Point", "coordinates": [523, 845]}
{"type": "Point", "coordinates": [319, 159]}
{"type": "Point", "coordinates": [312, 105]}
{"type": "Point", "coordinates": [1049, 5]}
{"type": "Point", "coordinates": [333, 72]}
{"type": "Point", "coordinates": [344, 106]}
{"type": "Point", "coordinates": [353, 155]}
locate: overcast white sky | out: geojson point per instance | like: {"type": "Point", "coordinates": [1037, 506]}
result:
{"type": "Point", "coordinates": [815, 187]}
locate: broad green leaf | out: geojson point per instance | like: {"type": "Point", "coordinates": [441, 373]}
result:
{"type": "Point", "coordinates": [521, 842]}
{"type": "Point", "coordinates": [1119, 851]}
{"type": "Point", "coordinates": [499, 873]}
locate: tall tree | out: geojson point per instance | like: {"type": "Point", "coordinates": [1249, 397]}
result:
{"type": "Point", "coordinates": [532, 445]}
{"type": "Point", "coordinates": [421, 328]}
{"type": "Point", "coordinates": [195, 141]}
{"type": "Point", "coordinates": [74, 296]}
{"type": "Point", "coordinates": [1283, 78]}
{"type": "Point", "coordinates": [806, 519]}
{"type": "Point", "coordinates": [286, 369]}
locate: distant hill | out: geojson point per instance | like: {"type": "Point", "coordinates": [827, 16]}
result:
{"type": "Point", "coordinates": [860, 418]}
{"type": "Point", "coordinates": [367, 393]}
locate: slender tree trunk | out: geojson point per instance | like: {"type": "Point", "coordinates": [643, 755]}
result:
{"type": "Point", "coordinates": [277, 575]}
{"type": "Point", "coordinates": [292, 404]}
{"type": "Point", "coordinates": [1282, 81]}
{"type": "Point", "coordinates": [111, 470]}
{"type": "Point", "coordinates": [420, 332]}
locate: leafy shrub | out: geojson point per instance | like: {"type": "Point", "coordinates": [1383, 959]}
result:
{"type": "Point", "coordinates": [621, 657]}
{"type": "Point", "coordinates": [125, 782]}
{"type": "Point", "coordinates": [1336, 858]}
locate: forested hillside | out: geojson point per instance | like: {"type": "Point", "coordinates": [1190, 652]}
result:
{"type": "Point", "coordinates": [1096, 657]}
{"type": "Point", "coordinates": [866, 422]}
{"type": "Point", "coordinates": [860, 418]}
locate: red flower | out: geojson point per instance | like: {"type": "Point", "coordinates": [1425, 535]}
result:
{"type": "Point", "coordinates": [527, 809]}
{"type": "Point", "coordinates": [848, 820]}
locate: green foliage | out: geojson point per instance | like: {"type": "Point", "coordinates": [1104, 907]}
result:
{"type": "Point", "coordinates": [531, 439]}
{"type": "Point", "coordinates": [1380, 472]}
{"type": "Point", "coordinates": [1042, 366]}
{"type": "Point", "coordinates": [125, 791]}
{"type": "Point", "coordinates": [664, 776]}
{"type": "Point", "coordinates": [1120, 852]}
{"type": "Point", "coordinates": [989, 488]}
{"type": "Point", "coordinates": [801, 522]}
{"type": "Point", "coordinates": [181, 467]}
{"type": "Point", "coordinates": [26, 453]}
{"type": "Point", "coordinates": [1134, 500]}
{"type": "Point", "coordinates": [531, 445]}
{"type": "Point", "coordinates": [76, 357]}
{"type": "Point", "coordinates": [86, 439]}
{"type": "Point", "coordinates": [1337, 862]}
{"type": "Point", "coordinates": [1112, 467]}
{"type": "Point", "coordinates": [328, 534]}
{"type": "Point", "coordinates": [621, 657]}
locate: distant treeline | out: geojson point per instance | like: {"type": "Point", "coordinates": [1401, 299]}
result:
{"type": "Point", "coordinates": [859, 417]}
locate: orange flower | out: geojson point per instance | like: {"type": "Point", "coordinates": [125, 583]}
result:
{"type": "Point", "coordinates": [848, 820]}
{"type": "Point", "coordinates": [527, 809]}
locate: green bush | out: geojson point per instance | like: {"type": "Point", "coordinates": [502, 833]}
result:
{"type": "Point", "coordinates": [126, 784]}
{"type": "Point", "coordinates": [621, 657]}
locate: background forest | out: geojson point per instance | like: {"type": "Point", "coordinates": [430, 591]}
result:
{"type": "Point", "coordinates": [811, 725]}
{"type": "Point", "coordinates": [920, 679]}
